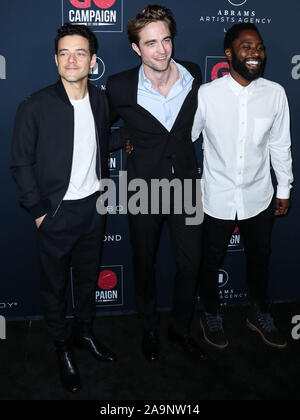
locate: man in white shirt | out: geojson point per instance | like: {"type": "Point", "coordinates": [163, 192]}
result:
{"type": "Point", "coordinates": [244, 119]}
{"type": "Point", "coordinates": [59, 156]}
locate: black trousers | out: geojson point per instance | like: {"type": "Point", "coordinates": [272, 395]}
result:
{"type": "Point", "coordinates": [256, 232]}
{"type": "Point", "coordinates": [145, 232]}
{"type": "Point", "coordinates": [72, 238]}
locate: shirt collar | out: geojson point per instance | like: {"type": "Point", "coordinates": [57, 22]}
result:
{"type": "Point", "coordinates": [237, 88]}
{"type": "Point", "coordinates": [143, 80]}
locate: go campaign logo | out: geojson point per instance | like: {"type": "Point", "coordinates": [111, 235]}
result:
{"type": "Point", "coordinates": [98, 15]}
{"type": "Point", "coordinates": [235, 242]}
{"type": "Point", "coordinates": [109, 291]}
{"type": "Point", "coordinates": [215, 67]}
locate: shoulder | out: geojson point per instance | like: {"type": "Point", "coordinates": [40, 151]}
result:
{"type": "Point", "coordinates": [269, 84]}
{"type": "Point", "coordinates": [214, 85]}
{"type": "Point", "coordinates": [35, 99]}
{"type": "Point", "coordinates": [123, 76]}
{"type": "Point", "coordinates": [193, 68]}
{"type": "Point", "coordinates": [189, 65]}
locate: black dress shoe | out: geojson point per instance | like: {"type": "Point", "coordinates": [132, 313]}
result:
{"type": "Point", "coordinates": [188, 344]}
{"type": "Point", "coordinates": [98, 350]}
{"type": "Point", "coordinates": [69, 374]}
{"type": "Point", "coordinates": [151, 345]}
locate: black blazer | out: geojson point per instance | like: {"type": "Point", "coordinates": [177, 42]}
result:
{"type": "Point", "coordinates": [156, 150]}
{"type": "Point", "coordinates": [42, 146]}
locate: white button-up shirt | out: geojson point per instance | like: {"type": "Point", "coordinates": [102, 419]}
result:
{"type": "Point", "coordinates": [244, 130]}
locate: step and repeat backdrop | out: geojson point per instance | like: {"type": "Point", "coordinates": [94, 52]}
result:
{"type": "Point", "coordinates": [28, 29]}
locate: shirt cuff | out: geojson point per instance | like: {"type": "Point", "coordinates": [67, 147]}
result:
{"type": "Point", "coordinates": [283, 192]}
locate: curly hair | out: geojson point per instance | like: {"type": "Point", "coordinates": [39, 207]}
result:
{"type": "Point", "coordinates": [151, 13]}
{"type": "Point", "coordinates": [82, 30]}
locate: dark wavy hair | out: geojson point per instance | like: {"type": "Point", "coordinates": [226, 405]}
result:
{"type": "Point", "coordinates": [151, 13]}
{"type": "Point", "coordinates": [82, 30]}
{"type": "Point", "coordinates": [234, 32]}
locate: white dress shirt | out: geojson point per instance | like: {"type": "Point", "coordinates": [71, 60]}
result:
{"type": "Point", "coordinates": [164, 109]}
{"type": "Point", "coordinates": [245, 129]}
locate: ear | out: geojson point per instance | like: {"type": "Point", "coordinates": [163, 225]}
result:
{"type": "Point", "coordinates": [136, 49]}
{"type": "Point", "coordinates": [93, 61]}
{"type": "Point", "coordinates": [228, 54]}
{"type": "Point", "coordinates": [55, 58]}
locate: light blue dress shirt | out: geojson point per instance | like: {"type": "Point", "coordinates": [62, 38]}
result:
{"type": "Point", "coordinates": [164, 109]}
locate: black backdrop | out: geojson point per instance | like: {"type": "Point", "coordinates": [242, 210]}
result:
{"type": "Point", "coordinates": [27, 64]}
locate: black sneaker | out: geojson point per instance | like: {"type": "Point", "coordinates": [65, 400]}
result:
{"type": "Point", "coordinates": [212, 326]}
{"type": "Point", "coordinates": [263, 323]}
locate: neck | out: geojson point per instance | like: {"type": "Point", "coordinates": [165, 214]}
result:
{"type": "Point", "coordinates": [238, 78]}
{"type": "Point", "coordinates": [75, 90]}
{"type": "Point", "coordinates": [162, 81]}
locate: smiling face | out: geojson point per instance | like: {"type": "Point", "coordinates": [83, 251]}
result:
{"type": "Point", "coordinates": [155, 46]}
{"type": "Point", "coordinates": [73, 58]}
{"type": "Point", "coordinates": [246, 57]}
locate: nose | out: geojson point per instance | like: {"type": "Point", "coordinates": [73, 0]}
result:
{"type": "Point", "coordinates": [161, 48]}
{"type": "Point", "coordinates": [72, 58]}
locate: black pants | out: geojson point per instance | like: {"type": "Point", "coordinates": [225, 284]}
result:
{"type": "Point", "coordinates": [145, 231]}
{"type": "Point", "coordinates": [73, 237]}
{"type": "Point", "coordinates": [256, 232]}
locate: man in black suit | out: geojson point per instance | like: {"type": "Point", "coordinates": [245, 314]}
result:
{"type": "Point", "coordinates": [157, 102]}
{"type": "Point", "coordinates": [59, 154]}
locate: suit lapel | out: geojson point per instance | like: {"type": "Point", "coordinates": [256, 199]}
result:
{"type": "Point", "coordinates": [132, 99]}
{"type": "Point", "coordinates": [185, 109]}
{"type": "Point", "coordinates": [93, 98]}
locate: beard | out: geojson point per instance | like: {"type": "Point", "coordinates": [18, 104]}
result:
{"type": "Point", "coordinates": [241, 68]}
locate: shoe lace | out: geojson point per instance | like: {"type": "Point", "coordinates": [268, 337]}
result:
{"type": "Point", "coordinates": [214, 321]}
{"type": "Point", "coordinates": [266, 321]}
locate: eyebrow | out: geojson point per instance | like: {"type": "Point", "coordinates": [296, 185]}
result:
{"type": "Point", "coordinates": [77, 49]}
{"type": "Point", "coordinates": [155, 40]}
{"type": "Point", "coordinates": [251, 42]}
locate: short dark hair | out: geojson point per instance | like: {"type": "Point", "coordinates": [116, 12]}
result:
{"type": "Point", "coordinates": [151, 13]}
{"type": "Point", "coordinates": [82, 30]}
{"type": "Point", "coordinates": [234, 32]}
